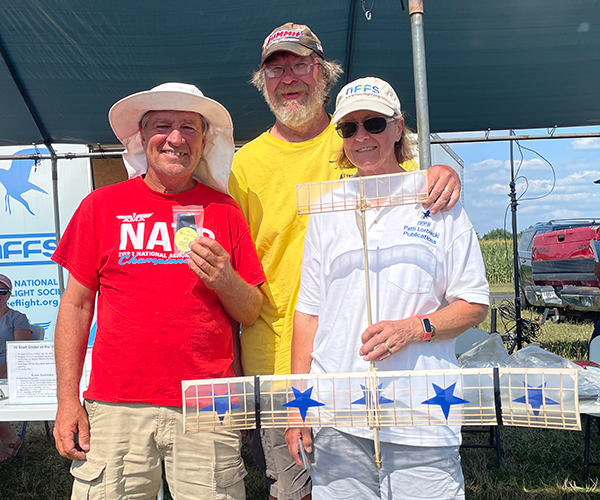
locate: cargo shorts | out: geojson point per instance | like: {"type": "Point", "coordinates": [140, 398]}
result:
{"type": "Point", "coordinates": [129, 443]}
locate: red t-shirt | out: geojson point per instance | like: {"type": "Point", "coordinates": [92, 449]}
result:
{"type": "Point", "coordinates": [157, 323]}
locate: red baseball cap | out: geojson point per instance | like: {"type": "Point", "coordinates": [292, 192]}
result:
{"type": "Point", "coordinates": [291, 37]}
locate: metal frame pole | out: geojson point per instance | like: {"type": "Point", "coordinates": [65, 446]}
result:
{"type": "Point", "coordinates": [415, 8]}
{"type": "Point", "coordinates": [61, 277]}
{"type": "Point", "coordinates": [63, 156]}
{"type": "Point", "coordinates": [513, 208]}
{"type": "Point", "coordinates": [513, 137]}
{"type": "Point", "coordinates": [350, 41]}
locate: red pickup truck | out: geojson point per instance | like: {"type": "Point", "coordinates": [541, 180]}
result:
{"type": "Point", "coordinates": [564, 270]}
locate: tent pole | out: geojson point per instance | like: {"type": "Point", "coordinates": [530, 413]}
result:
{"type": "Point", "coordinates": [61, 278]}
{"type": "Point", "coordinates": [512, 137]}
{"type": "Point", "coordinates": [415, 8]}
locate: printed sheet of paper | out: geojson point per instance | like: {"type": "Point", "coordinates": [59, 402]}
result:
{"type": "Point", "coordinates": [31, 372]}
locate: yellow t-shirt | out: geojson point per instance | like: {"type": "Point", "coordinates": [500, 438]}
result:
{"type": "Point", "coordinates": [263, 181]}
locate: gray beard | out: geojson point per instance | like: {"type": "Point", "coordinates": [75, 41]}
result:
{"type": "Point", "coordinates": [304, 115]}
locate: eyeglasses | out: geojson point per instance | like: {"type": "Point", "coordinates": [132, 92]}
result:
{"type": "Point", "coordinates": [374, 125]}
{"type": "Point", "coordinates": [298, 69]}
{"type": "Point", "coordinates": [4, 291]}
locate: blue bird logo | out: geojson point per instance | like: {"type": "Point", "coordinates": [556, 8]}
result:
{"type": "Point", "coordinates": [16, 180]}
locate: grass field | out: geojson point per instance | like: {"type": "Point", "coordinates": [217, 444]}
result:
{"type": "Point", "coordinates": [538, 464]}
{"type": "Point", "coordinates": [502, 288]}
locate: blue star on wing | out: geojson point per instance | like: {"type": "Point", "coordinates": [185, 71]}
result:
{"type": "Point", "coordinates": [363, 401]}
{"type": "Point", "coordinates": [302, 401]}
{"type": "Point", "coordinates": [536, 398]}
{"type": "Point", "coordinates": [221, 405]}
{"type": "Point", "coordinates": [445, 398]}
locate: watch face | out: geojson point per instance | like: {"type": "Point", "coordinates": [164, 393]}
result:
{"type": "Point", "coordinates": [427, 325]}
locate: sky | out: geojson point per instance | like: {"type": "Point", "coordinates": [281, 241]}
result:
{"type": "Point", "coordinates": [576, 163]}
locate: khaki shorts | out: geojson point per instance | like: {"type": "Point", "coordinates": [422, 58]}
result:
{"type": "Point", "coordinates": [129, 443]}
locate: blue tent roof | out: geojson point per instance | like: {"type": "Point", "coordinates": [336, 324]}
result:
{"type": "Point", "coordinates": [501, 64]}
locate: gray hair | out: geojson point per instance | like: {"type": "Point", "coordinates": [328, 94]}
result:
{"type": "Point", "coordinates": [146, 117]}
{"type": "Point", "coordinates": [331, 70]}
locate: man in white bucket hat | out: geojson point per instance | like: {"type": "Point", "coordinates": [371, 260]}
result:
{"type": "Point", "coordinates": [295, 79]}
{"type": "Point", "coordinates": [166, 302]}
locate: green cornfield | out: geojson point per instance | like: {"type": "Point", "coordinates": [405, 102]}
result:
{"type": "Point", "coordinates": [497, 258]}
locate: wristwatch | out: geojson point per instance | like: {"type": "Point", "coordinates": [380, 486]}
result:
{"type": "Point", "coordinates": [429, 330]}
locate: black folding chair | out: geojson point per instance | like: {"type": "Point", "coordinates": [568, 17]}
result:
{"type": "Point", "coordinates": [594, 355]}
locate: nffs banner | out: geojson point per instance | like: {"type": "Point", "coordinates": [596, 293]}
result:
{"type": "Point", "coordinates": [27, 230]}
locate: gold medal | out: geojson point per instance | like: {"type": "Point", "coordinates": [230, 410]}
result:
{"type": "Point", "coordinates": [184, 237]}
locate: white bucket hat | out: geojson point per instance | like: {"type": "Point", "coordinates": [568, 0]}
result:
{"type": "Point", "coordinates": [214, 166]}
{"type": "Point", "coordinates": [367, 94]}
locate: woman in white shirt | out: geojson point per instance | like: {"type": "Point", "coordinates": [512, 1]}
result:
{"type": "Point", "coordinates": [427, 286]}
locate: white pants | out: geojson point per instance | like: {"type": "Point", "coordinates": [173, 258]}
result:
{"type": "Point", "coordinates": [344, 468]}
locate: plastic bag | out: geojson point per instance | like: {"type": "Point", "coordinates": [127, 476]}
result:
{"type": "Point", "coordinates": [187, 225]}
{"type": "Point", "coordinates": [533, 356]}
{"type": "Point", "coordinates": [487, 354]}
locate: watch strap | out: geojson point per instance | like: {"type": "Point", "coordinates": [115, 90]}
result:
{"type": "Point", "coordinates": [428, 328]}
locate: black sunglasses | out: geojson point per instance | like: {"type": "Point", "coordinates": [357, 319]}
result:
{"type": "Point", "coordinates": [4, 291]}
{"type": "Point", "coordinates": [374, 125]}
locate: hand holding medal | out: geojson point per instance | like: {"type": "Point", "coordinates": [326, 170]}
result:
{"type": "Point", "coordinates": [206, 257]}
{"type": "Point", "coordinates": [188, 223]}
{"type": "Point", "coordinates": [211, 263]}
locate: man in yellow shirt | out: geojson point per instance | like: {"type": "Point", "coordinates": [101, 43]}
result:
{"type": "Point", "coordinates": [295, 80]}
